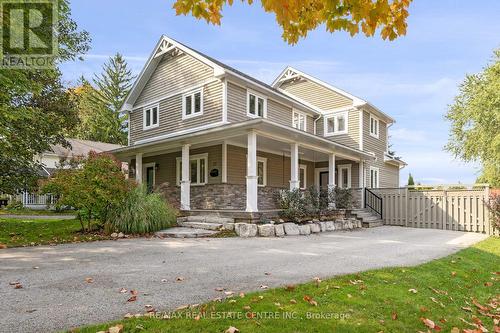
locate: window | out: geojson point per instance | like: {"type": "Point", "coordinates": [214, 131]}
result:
{"type": "Point", "coordinates": [150, 116]}
{"type": "Point", "coordinates": [303, 176]}
{"type": "Point", "coordinates": [374, 126]}
{"type": "Point", "coordinates": [261, 171]}
{"type": "Point", "coordinates": [192, 104]}
{"type": "Point", "coordinates": [256, 105]}
{"type": "Point", "coordinates": [299, 121]}
{"type": "Point", "coordinates": [336, 124]}
{"type": "Point", "coordinates": [344, 176]}
{"type": "Point", "coordinates": [374, 177]}
{"type": "Point", "coordinates": [198, 169]}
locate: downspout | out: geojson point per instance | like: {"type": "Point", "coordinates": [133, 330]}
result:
{"type": "Point", "coordinates": [315, 121]}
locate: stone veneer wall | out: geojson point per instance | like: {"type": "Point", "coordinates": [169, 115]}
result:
{"type": "Point", "coordinates": [219, 196]}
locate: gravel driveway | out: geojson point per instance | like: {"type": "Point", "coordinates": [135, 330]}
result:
{"type": "Point", "coordinates": [55, 296]}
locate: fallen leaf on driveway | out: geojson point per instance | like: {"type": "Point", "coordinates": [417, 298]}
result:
{"type": "Point", "coordinates": [219, 289]}
{"type": "Point", "coordinates": [179, 278]}
{"type": "Point", "coordinates": [17, 285]}
{"type": "Point", "coordinates": [164, 280]}
{"type": "Point", "coordinates": [263, 286]}
{"type": "Point", "coordinates": [232, 330]}
{"type": "Point", "coordinates": [122, 290]}
{"type": "Point", "coordinates": [134, 292]}
{"type": "Point", "coordinates": [132, 299]}
{"type": "Point", "coordinates": [89, 280]}
{"type": "Point", "coordinates": [267, 273]}
{"type": "Point", "coordinates": [116, 329]}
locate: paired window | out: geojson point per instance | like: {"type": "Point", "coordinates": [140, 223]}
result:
{"type": "Point", "coordinates": [344, 176]}
{"type": "Point", "coordinates": [374, 127]}
{"type": "Point", "coordinates": [150, 116]}
{"type": "Point", "coordinates": [336, 124]}
{"type": "Point", "coordinates": [374, 177]}
{"type": "Point", "coordinates": [256, 105]}
{"type": "Point", "coordinates": [192, 103]}
{"type": "Point", "coordinates": [261, 171]}
{"type": "Point", "coordinates": [303, 176]}
{"type": "Point", "coordinates": [299, 121]}
{"type": "Point", "coordinates": [198, 169]}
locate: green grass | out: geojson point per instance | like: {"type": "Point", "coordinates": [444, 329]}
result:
{"type": "Point", "coordinates": [26, 232]}
{"type": "Point", "coordinates": [366, 302]}
{"type": "Point", "coordinates": [26, 211]}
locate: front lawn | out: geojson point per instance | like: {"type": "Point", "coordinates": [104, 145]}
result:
{"type": "Point", "coordinates": [29, 232]}
{"type": "Point", "coordinates": [26, 211]}
{"type": "Point", "coordinates": [449, 295]}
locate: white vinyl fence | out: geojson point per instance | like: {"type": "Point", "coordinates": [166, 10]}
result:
{"type": "Point", "coordinates": [458, 207]}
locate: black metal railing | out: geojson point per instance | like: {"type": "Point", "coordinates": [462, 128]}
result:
{"type": "Point", "coordinates": [373, 201]}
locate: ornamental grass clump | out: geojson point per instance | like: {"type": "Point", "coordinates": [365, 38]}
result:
{"type": "Point", "coordinates": [141, 213]}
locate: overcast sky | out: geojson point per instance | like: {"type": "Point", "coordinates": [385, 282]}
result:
{"type": "Point", "coordinates": [413, 79]}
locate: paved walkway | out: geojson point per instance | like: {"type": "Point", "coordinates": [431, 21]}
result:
{"type": "Point", "coordinates": [55, 296]}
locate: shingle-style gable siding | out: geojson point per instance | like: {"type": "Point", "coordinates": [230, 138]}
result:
{"type": "Point", "coordinates": [173, 76]}
{"type": "Point", "coordinates": [276, 112]}
{"type": "Point", "coordinates": [389, 174]}
{"type": "Point", "coordinates": [351, 139]}
{"type": "Point", "coordinates": [316, 94]}
{"type": "Point", "coordinates": [174, 73]}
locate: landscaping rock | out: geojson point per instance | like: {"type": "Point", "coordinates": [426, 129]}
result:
{"type": "Point", "coordinates": [330, 226]}
{"type": "Point", "coordinates": [305, 229]}
{"type": "Point", "coordinates": [281, 221]}
{"type": "Point", "coordinates": [315, 227]}
{"type": "Point", "coordinates": [228, 226]}
{"type": "Point", "coordinates": [291, 229]}
{"type": "Point", "coordinates": [339, 225]}
{"type": "Point", "coordinates": [121, 235]}
{"type": "Point", "coordinates": [114, 235]}
{"type": "Point", "coordinates": [266, 230]}
{"type": "Point", "coordinates": [322, 225]}
{"type": "Point", "coordinates": [279, 230]}
{"type": "Point", "coordinates": [245, 229]}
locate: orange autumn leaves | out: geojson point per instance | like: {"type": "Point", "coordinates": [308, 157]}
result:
{"type": "Point", "coordinates": [298, 17]}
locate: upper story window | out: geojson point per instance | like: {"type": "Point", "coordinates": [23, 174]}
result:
{"type": "Point", "coordinates": [192, 104]}
{"type": "Point", "coordinates": [151, 116]}
{"type": "Point", "coordinates": [374, 127]}
{"type": "Point", "coordinates": [336, 124]}
{"type": "Point", "coordinates": [299, 121]}
{"type": "Point", "coordinates": [256, 105]}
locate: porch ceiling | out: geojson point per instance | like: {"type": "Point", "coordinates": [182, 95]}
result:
{"type": "Point", "coordinates": [265, 130]}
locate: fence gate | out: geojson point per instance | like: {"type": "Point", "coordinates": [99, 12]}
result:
{"type": "Point", "coordinates": [457, 208]}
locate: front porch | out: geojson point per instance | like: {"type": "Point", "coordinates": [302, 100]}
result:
{"type": "Point", "coordinates": [240, 171]}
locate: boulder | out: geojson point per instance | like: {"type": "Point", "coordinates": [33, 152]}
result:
{"type": "Point", "coordinates": [322, 225]}
{"type": "Point", "coordinates": [315, 227]}
{"type": "Point", "coordinates": [339, 225]}
{"type": "Point", "coordinates": [245, 229]}
{"type": "Point", "coordinates": [291, 229]}
{"type": "Point", "coordinates": [304, 229]}
{"type": "Point", "coordinates": [279, 231]}
{"type": "Point", "coordinates": [121, 235]}
{"type": "Point", "coordinates": [114, 235]}
{"type": "Point", "coordinates": [228, 226]}
{"type": "Point", "coordinates": [266, 230]}
{"type": "Point", "coordinates": [330, 226]}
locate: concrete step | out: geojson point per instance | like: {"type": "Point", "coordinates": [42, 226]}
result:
{"type": "Point", "coordinates": [183, 232]}
{"type": "Point", "coordinates": [201, 225]}
{"type": "Point", "coordinates": [373, 224]}
{"type": "Point", "coordinates": [208, 219]}
{"type": "Point", "coordinates": [371, 218]}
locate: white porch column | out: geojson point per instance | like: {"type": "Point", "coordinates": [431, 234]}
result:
{"type": "Point", "coordinates": [252, 172]}
{"type": "Point", "coordinates": [362, 181]}
{"type": "Point", "coordinates": [331, 171]}
{"type": "Point", "coordinates": [138, 168]}
{"type": "Point", "coordinates": [294, 166]}
{"type": "Point", "coordinates": [185, 182]}
{"type": "Point", "coordinates": [224, 162]}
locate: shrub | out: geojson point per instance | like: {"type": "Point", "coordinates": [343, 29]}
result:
{"type": "Point", "coordinates": [14, 205]}
{"type": "Point", "coordinates": [493, 205]}
{"type": "Point", "coordinates": [291, 203]}
{"type": "Point", "coordinates": [343, 198]}
{"type": "Point", "coordinates": [141, 212]}
{"type": "Point", "coordinates": [92, 186]}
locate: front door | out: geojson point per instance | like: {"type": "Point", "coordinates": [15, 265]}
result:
{"type": "Point", "coordinates": [150, 178]}
{"type": "Point", "coordinates": [323, 179]}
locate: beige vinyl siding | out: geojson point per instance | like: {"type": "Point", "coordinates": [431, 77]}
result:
{"type": "Point", "coordinates": [278, 167]}
{"type": "Point", "coordinates": [354, 170]}
{"type": "Point", "coordinates": [167, 164]}
{"type": "Point", "coordinates": [351, 139]}
{"type": "Point", "coordinates": [388, 174]}
{"type": "Point", "coordinates": [174, 73]}
{"type": "Point", "coordinates": [316, 94]}
{"type": "Point", "coordinates": [276, 112]}
{"type": "Point", "coordinates": [170, 114]}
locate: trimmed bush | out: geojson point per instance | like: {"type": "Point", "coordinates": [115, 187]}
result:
{"type": "Point", "coordinates": [141, 212]}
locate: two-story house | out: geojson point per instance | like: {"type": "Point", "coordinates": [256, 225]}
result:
{"type": "Point", "coordinates": [213, 138]}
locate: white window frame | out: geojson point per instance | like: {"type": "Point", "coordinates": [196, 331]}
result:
{"type": "Point", "coordinates": [377, 122]}
{"type": "Point", "coordinates": [150, 108]}
{"type": "Point", "coordinates": [377, 170]}
{"type": "Point", "coordinates": [264, 176]}
{"type": "Point", "coordinates": [257, 96]}
{"type": "Point", "coordinates": [345, 114]}
{"type": "Point", "coordinates": [303, 167]}
{"type": "Point", "coordinates": [192, 158]}
{"type": "Point", "coordinates": [144, 174]}
{"type": "Point", "coordinates": [192, 93]}
{"type": "Point", "coordinates": [300, 114]}
{"type": "Point", "coordinates": [347, 167]}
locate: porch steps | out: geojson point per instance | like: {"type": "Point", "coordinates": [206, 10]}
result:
{"type": "Point", "coordinates": [184, 232]}
{"type": "Point", "coordinates": [368, 218]}
{"type": "Point", "coordinates": [206, 222]}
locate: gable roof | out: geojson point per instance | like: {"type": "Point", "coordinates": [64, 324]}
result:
{"type": "Point", "coordinates": [80, 148]}
{"type": "Point", "coordinates": [167, 44]}
{"type": "Point", "coordinates": [291, 73]}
